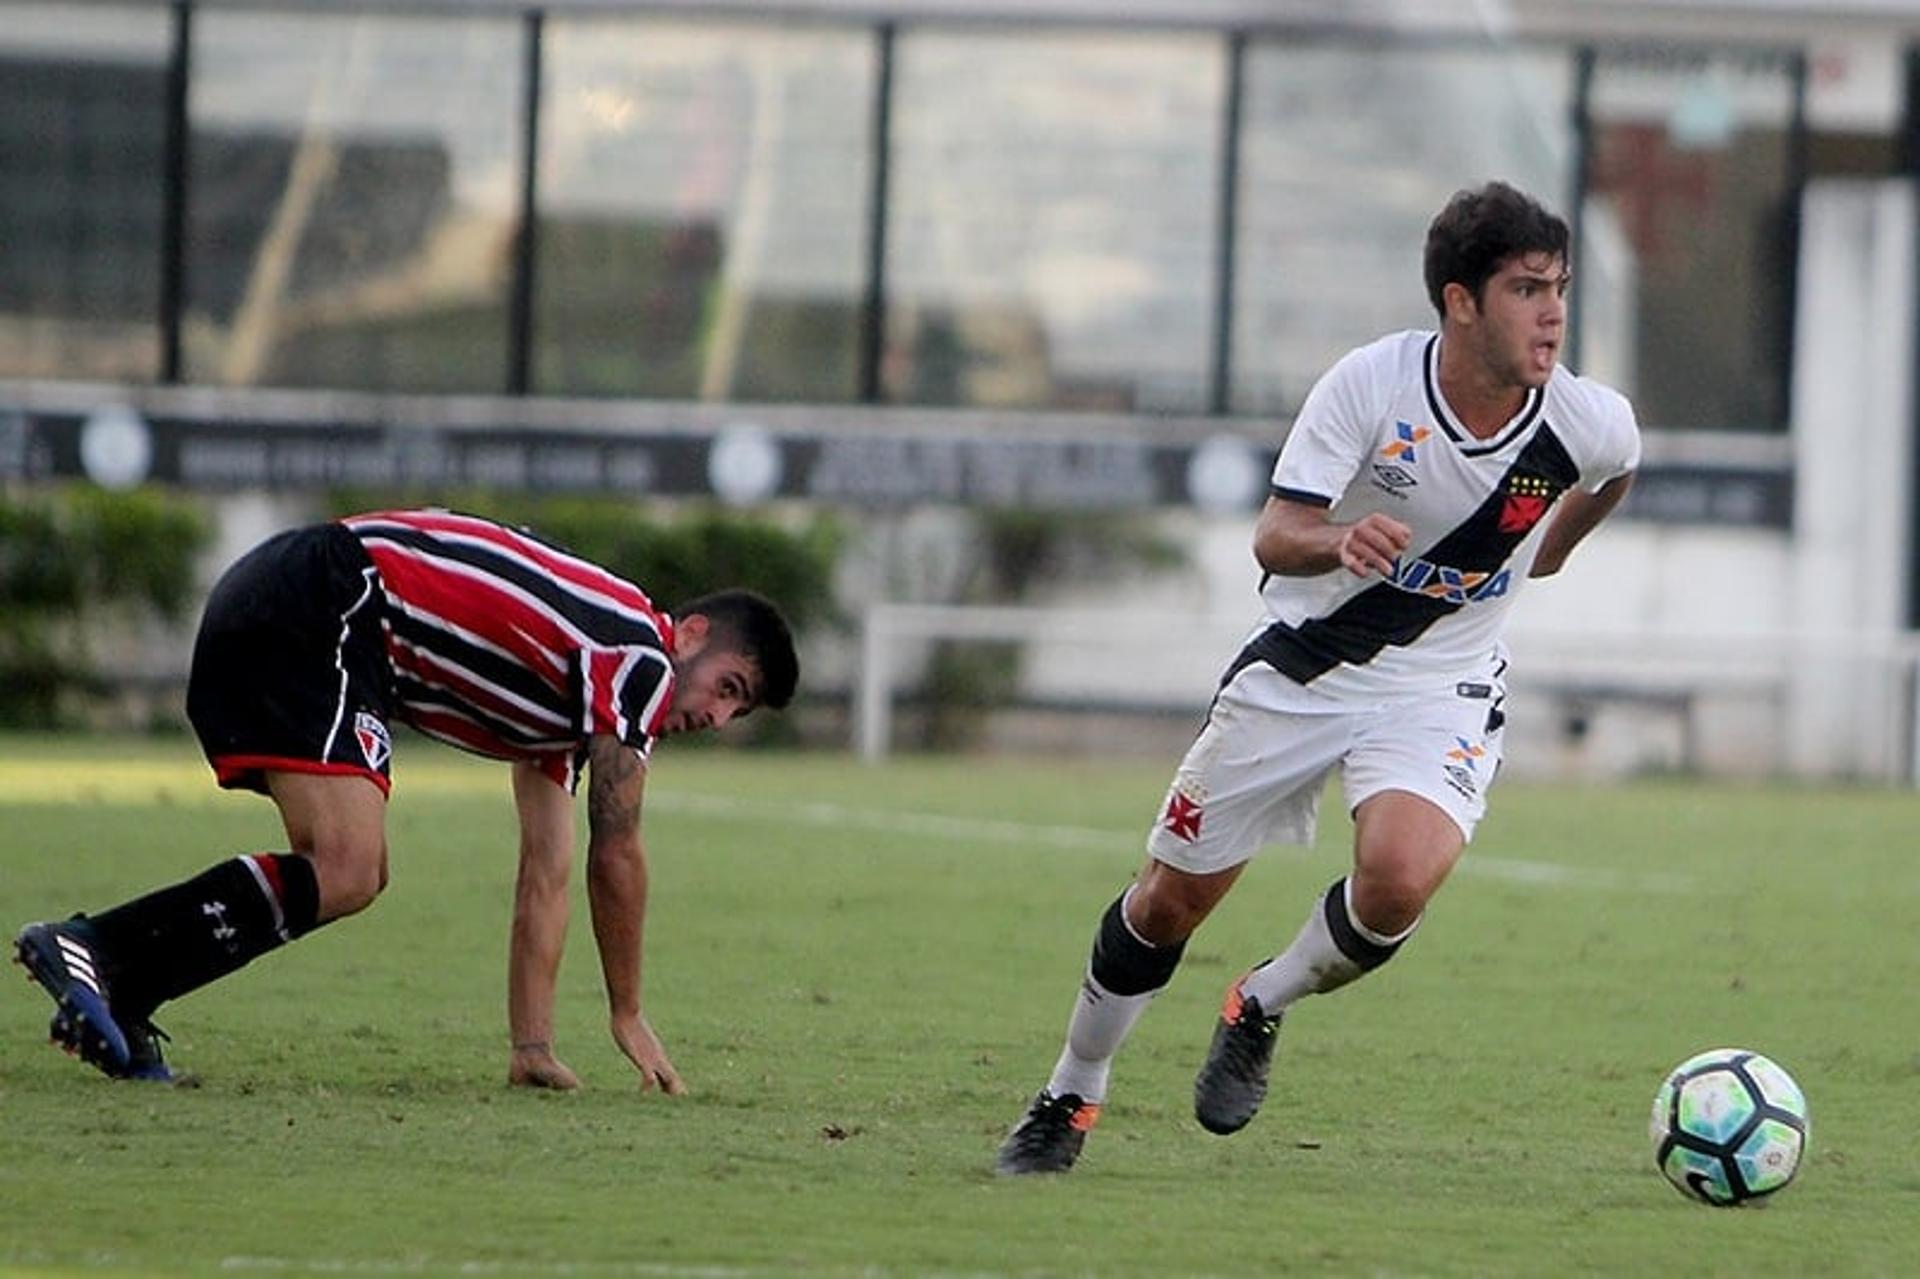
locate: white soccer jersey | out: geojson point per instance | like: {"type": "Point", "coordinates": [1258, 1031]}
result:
{"type": "Point", "coordinates": [1375, 434]}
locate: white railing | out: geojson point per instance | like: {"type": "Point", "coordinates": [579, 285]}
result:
{"type": "Point", "coordinates": [1196, 647]}
{"type": "Point", "coordinates": [1865, 689]}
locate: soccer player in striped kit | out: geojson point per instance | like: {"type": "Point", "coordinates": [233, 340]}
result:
{"type": "Point", "coordinates": [476, 634]}
{"type": "Point", "coordinates": [1427, 476]}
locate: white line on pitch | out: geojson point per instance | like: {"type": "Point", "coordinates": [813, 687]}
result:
{"type": "Point", "coordinates": [820, 813]}
{"type": "Point", "coordinates": [429, 1265]}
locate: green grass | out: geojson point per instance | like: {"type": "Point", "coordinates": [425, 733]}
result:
{"type": "Point", "coordinates": [864, 973]}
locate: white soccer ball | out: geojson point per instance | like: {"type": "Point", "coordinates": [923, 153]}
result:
{"type": "Point", "coordinates": [1729, 1127]}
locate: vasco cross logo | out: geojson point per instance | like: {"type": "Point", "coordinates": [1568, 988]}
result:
{"type": "Point", "coordinates": [1527, 500]}
{"type": "Point", "coordinates": [1183, 816]}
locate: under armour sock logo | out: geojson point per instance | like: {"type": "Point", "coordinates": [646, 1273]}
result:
{"type": "Point", "coordinates": [222, 930]}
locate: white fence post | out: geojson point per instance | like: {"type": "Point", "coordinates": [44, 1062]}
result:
{"type": "Point", "coordinates": [873, 707]}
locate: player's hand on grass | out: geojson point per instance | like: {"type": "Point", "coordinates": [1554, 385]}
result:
{"type": "Point", "coordinates": [642, 1047]}
{"type": "Point", "coordinates": [535, 1066]}
{"type": "Point", "coordinates": [1372, 543]}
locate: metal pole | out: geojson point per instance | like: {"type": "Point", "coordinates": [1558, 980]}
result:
{"type": "Point", "coordinates": [873, 312]}
{"type": "Point", "coordinates": [525, 258]}
{"type": "Point", "coordinates": [174, 193]}
{"type": "Point", "coordinates": [1909, 166]}
{"type": "Point", "coordinates": [1790, 223]}
{"type": "Point", "coordinates": [1227, 226]}
{"type": "Point", "coordinates": [1582, 111]}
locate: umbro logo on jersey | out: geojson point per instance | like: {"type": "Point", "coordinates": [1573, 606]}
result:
{"type": "Point", "coordinates": [1391, 479]}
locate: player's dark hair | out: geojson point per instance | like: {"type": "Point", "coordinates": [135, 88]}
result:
{"type": "Point", "coordinates": [1480, 230]}
{"type": "Point", "coordinates": [751, 624]}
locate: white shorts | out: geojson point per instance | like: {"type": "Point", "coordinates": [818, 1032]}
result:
{"type": "Point", "coordinates": [1254, 774]}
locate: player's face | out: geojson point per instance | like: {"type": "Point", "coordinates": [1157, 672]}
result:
{"type": "Point", "coordinates": [717, 686]}
{"type": "Point", "coordinates": [711, 688]}
{"type": "Point", "coordinates": [1523, 318]}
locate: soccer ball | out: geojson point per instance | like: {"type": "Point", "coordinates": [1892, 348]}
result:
{"type": "Point", "coordinates": [1729, 1127]}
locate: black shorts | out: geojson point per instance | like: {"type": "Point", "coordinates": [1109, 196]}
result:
{"type": "Point", "coordinates": [290, 668]}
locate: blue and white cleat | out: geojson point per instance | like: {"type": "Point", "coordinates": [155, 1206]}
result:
{"type": "Point", "coordinates": [59, 957]}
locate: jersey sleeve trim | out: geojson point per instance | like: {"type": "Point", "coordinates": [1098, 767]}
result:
{"type": "Point", "coordinates": [1286, 494]}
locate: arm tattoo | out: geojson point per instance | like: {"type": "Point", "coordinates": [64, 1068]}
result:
{"type": "Point", "coordinates": [613, 792]}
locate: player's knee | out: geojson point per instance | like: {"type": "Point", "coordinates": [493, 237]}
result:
{"type": "Point", "coordinates": [1394, 882]}
{"type": "Point", "coordinates": [1163, 917]}
{"type": "Point", "coordinates": [1390, 895]}
{"type": "Point", "coordinates": [1388, 911]}
{"type": "Point", "coordinates": [351, 874]}
{"type": "Point", "coordinates": [1167, 905]}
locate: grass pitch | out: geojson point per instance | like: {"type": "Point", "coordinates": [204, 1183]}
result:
{"type": "Point", "coordinates": [864, 973]}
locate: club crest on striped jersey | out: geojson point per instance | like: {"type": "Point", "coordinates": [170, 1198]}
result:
{"type": "Point", "coordinates": [371, 732]}
{"type": "Point", "coordinates": [1527, 500]}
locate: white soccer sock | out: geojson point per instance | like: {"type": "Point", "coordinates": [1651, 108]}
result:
{"type": "Point", "coordinates": [1313, 964]}
{"type": "Point", "coordinates": [1099, 1025]}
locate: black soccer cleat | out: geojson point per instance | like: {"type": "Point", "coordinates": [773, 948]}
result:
{"type": "Point", "coordinates": [145, 1061]}
{"type": "Point", "coordinates": [1233, 1080]}
{"type": "Point", "coordinates": [1049, 1136]}
{"type": "Point", "coordinates": [61, 958]}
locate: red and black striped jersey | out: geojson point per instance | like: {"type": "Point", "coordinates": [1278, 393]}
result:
{"type": "Point", "coordinates": [508, 647]}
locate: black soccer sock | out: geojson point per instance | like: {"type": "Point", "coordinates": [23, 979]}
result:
{"type": "Point", "coordinates": [1367, 949]}
{"type": "Point", "coordinates": [1126, 963]}
{"type": "Point", "coordinates": [180, 938]}
{"type": "Point", "coordinates": [1330, 951]}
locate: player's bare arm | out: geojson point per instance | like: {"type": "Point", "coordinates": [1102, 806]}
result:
{"type": "Point", "coordinates": [1299, 539]}
{"type": "Point", "coordinates": [1579, 514]}
{"type": "Point", "coordinates": [617, 894]}
{"type": "Point", "coordinates": [540, 908]}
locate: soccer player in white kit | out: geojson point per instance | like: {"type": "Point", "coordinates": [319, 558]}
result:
{"type": "Point", "coordinates": [1427, 476]}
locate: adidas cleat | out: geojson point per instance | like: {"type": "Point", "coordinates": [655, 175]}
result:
{"type": "Point", "coordinates": [59, 958]}
{"type": "Point", "coordinates": [1049, 1136]}
{"type": "Point", "coordinates": [1233, 1080]}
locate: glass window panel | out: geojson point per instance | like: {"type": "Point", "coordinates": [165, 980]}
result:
{"type": "Point", "coordinates": [1347, 152]}
{"type": "Point", "coordinates": [354, 195]}
{"type": "Point", "coordinates": [1687, 265]}
{"type": "Point", "coordinates": [82, 155]}
{"type": "Point", "coordinates": [703, 209]}
{"type": "Point", "coordinates": [1053, 217]}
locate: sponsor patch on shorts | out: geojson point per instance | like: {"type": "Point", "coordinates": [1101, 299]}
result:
{"type": "Point", "coordinates": [1462, 766]}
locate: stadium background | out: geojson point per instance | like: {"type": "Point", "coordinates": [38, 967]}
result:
{"type": "Point", "coordinates": [923, 264]}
